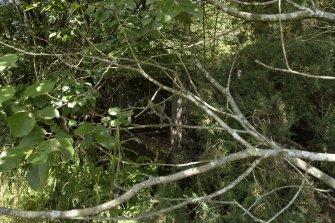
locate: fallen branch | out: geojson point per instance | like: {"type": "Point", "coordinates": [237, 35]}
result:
{"type": "Point", "coordinates": [294, 72]}
{"type": "Point", "coordinates": [313, 171]}
{"type": "Point", "coordinates": [134, 190]}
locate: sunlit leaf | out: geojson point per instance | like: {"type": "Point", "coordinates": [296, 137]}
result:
{"type": "Point", "coordinates": [169, 9]}
{"type": "Point", "coordinates": [114, 111]}
{"type": "Point", "coordinates": [48, 113]}
{"type": "Point", "coordinates": [11, 158]}
{"type": "Point", "coordinates": [52, 34]}
{"type": "Point", "coordinates": [72, 123]}
{"type": "Point", "coordinates": [39, 88]}
{"type": "Point", "coordinates": [8, 60]}
{"type": "Point", "coordinates": [32, 6]}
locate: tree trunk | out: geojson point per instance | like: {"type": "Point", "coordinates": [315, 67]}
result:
{"type": "Point", "coordinates": [178, 118]}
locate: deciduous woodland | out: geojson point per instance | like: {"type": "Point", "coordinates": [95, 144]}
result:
{"type": "Point", "coordinates": [167, 111]}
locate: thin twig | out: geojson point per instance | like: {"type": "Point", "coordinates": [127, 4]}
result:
{"type": "Point", "coordinates": [294, 72]}
{"type": "Point", "coordinates": [282, 37]}
{"type": "Point", "coordinates": [254, 3]}
{"type": "Point", "coordinates": [290, 203]}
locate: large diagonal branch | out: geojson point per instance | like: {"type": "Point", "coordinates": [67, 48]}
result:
{"type": "Point", "coordinates": [187, 201]}
{"type": "Point", "coordinates": [247, 125]}
{"type": "Point", "coordinates": [134, 190]}
{"type": "Point", "coordinates": [330, 181]}
{"type": "Point", "coordinates": [225, 91]}
{"type": "Point", "coordinates": [311, 13]}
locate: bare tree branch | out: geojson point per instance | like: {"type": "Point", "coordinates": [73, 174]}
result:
{"type": "Point", "coordinates": [330, 181]}
{"type": "Point", "coordinates": [284, 17]}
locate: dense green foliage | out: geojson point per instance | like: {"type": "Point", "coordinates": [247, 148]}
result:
{"type": "Point", "coordinates": [69, 131]}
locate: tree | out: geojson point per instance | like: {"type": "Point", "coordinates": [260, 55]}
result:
{"type": "Point", "coordinates": [70, 52]}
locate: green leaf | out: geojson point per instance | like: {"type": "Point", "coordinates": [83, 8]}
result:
{"type": "Point", "coordinates": [154, 34]}
{"type": "Point", "coordinates": [61, 134]}
{"type": "Point", "coordinates": [84, 129]}
{"type": "Point", "coordinates": [66, 148]}
{"type": "Point", "coordinates": [17, 108]}
{"type": "Point", "coordinates": [6, 93]}
{"type": "Point", "coordinates": [41, 157]}
{"type": "Point", "coordinates": [146, 20]}
{"type": "Point", "coordinates": [132, 35]}
{"type": "Point", "coordinates": [72, 123]}
{"type": "Point", "coordinates": [42, 102]}
{"type": "Point", "coordinates": [130, 4]}
{"type": "Point", "coordinates": [169, 9]}
{"type": "Point", "coordinates": [185, 18]}
{"type": "Point", "coordinates": [87, 141]}
{"type": "Point", "coordinates": [126, 114]}
{"type": "Point", "coordinates": [39, 88]}
{"type": "Point", "coordinates": [35, 137]}
{"type": "Point", "coordinates": [48, 113]}
{"type": "Point", "coordinates": [105, 120]}
{"type": "Point", "coordinates": [191, 8]}
{"type": "Point", "coordinates": [37, 176]}
{"type": "Point", "coordinates": [105, 140]}
{"type": "Point", "coordinates": [100, 129]}
{"type": "Point", "coordinates": [21, 123]}
{"type": "Point", "coordinates": [43, 150]}
{"type": "Point", "coordinates": [74, 7]}
{"type": "Point", "coordinates": [8, 60]}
